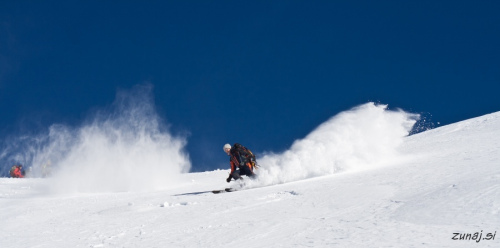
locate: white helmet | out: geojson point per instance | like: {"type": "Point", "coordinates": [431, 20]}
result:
{"type": "Point", "coordinates": [226, 146]}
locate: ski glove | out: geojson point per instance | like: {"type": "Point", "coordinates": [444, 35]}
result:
{"type": "Point", "coordinates": [228, 179]}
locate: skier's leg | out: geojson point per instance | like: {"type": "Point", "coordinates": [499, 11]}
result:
{"type": "Point", "coordinates": [245, 170]}
{"type": "Point", "coordinates": [236, 174]}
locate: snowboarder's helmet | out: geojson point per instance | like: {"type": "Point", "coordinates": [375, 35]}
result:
{"type": "Point", "coordinates": [226, 146]}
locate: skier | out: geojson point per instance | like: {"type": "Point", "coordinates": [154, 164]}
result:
{"type": "Point", "coordinates": [242, 161]}
{"type": "Point", "coordinates": [16, 171]}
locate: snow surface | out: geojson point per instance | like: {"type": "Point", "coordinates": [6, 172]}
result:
{"type": "Point", "coordinates": [420, 191]}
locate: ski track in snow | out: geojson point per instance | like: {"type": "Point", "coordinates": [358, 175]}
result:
{"type": "Point", "coordinates": [450, 185]}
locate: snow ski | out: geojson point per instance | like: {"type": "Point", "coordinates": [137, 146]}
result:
{"type": "Point", "coordinates": [217, 191]}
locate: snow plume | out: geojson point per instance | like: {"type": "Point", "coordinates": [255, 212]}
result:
{"type": "Point", "coordinates": [361, 138]}
{"type": "Point", "coordinates": [124, 148]}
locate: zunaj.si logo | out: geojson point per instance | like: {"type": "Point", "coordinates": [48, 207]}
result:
{"type": "Point", "coordinates": [477, 236]}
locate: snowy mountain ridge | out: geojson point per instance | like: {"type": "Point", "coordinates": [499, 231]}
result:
{"type": "Point", "coordinates": [443, 192]}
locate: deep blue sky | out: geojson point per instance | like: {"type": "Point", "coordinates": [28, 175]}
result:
{"type": "Point", "coordinates": [262, 73]}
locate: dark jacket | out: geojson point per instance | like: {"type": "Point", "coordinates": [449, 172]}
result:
{"type": "Point", "coordinates": [240, 157]}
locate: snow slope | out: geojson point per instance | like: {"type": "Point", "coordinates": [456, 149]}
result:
{"type": "Point", "coordinates": [449, 182]}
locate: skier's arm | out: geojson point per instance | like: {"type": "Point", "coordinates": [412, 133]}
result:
{"type": "Point", "coordinates": [233, 167]}
{"type": "Point", "coordinates": [230, 173]}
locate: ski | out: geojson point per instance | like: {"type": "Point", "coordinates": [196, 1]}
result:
{"type": "Point", "coordinates": [217, 191]}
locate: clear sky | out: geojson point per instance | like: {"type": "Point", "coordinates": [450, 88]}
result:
{"type": "Point", "coordinates": [262, 73]}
